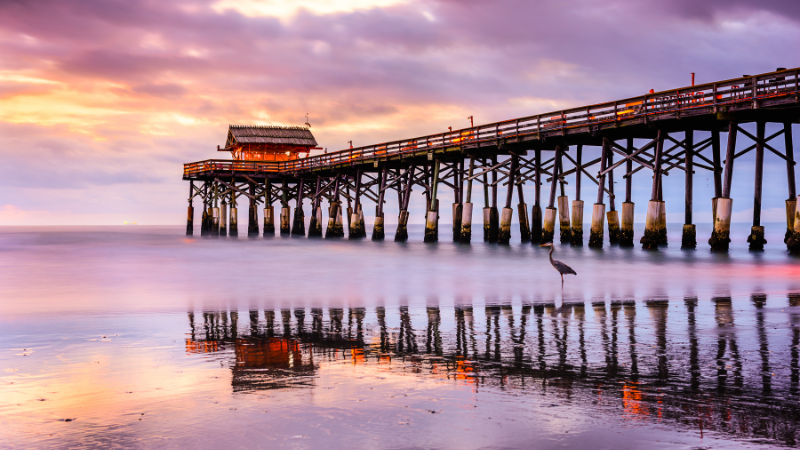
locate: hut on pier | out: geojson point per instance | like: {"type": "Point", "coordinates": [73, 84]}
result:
{"type": "Point", "coordinates": [268, 143]}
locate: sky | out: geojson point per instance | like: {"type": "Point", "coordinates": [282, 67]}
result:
{"type": "Point", "coordinates": [102, 101]}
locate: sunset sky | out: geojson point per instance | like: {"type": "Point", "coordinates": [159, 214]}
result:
{"type": "Point", "coordinates": [102, 101]}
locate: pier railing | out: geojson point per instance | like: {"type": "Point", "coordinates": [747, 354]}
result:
{"type": "Point", "coordinates": [747, 91]}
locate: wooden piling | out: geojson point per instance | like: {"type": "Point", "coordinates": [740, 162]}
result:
{"type": "Point", "coordinates": [269, 210]}
{"type": "Point", "coordinates": [549, 227]}
{"type": "Point", "coordinates": [252, 224]}
{"type": "Point", "coordinates": [223, 218]}
{"type": "Point", "coordinates": [285, 218]}
{"type": "Point", "coordinates": [564, 219]}
{"type": "Point", "coordinates": [299, 223]}
{"type": "Point", "coordinates": [315, 222]}
{"type": "Point", "coordinates": [233, 224]}
{"type": "Point", "coordinates": [494, 216]}
{"type": "Point", "coordinates": [598, 210]}
{"type": "Point", "coordinates": [401, 235]}
{"type": "Point", "coordinates": [356, 226]}
{"type": "Point", "coordinates": [720, 237]}
{"type": "Point", "coordinates": [204, 221]}
{"type": "Point", "coordinates": [504, 233]}
{"type": "Point", "coordinates": [522, 210]}
{"type": "Point", "coordinates": [576, 234]}
{"type": "Point", "coordinates": [689, 237]}
{"type": "Point", "coordinates": [466, 210]}
{"type": "Point", "coordinates": [793, 243]}
{"type": "Point", "coordinates": [432, 217]}
{"type": "Point", "coordinates": [652, 229]}
{"type": "Point", "coordinates": [378, 232]}
{"type": "Point", "coordinates": [190, 211]}
{"type": "Point", "coordinates": [756, 239]}
{"type": "Point", "coordinates": [215, 212]}
{"type": "Point", "coordinates": [550, 213]}
{"type": "Point", "coordinates": [458, 208]}
{"type": "Point", "coordinates": [791, 203]}
{"type": "Point", "coordinates": [612, 216]}
{"type": "Point", "coordinates": [536, 210]}
{"type": "Point", "coordinates": [626, 228]}
{"type": "Point", "coordinates": [596, 230]}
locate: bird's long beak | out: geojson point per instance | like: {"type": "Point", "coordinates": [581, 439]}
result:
{"type": "Point", "coordinates": [545, 245]}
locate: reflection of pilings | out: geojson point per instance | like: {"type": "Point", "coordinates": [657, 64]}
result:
{"type": "Point", "coordinates": [433, 341]}
{"type": "Point", "coordinates": [316, 323]}
{"type": "Point", "coordinates": [630, 315]}
{"type": "Point", "coordinates": [694, 361]}
{"type": "Point", "coordinates": [492, 316]}
{"type": "Point", "coordinates": [286, 318]}
{"type": "Point", "coordinates": [794, 387]}
{"type": "Point", "coordinates": [336, 315]}
{"type": "Point", "coordinates": [580, 315]}
{"type": "Point", "coordinates": [658, 314]}
{"type": "Point", "coordinates": [380, 311]}
{"type": "Point", "coordinates": [254, 323]}
{"type": "Point", "coordinates": [461, 333]}
{"type": "Point", "coordinates": [599, 309]}
{"type": "Point", "coordinates": [269, 318]}
{"type": "Point", "coordinates": [191, 324]}
{"type": "Point", "coordinates": [615, 308]}
{"type": "Point", "coordinates": [723, 313]}
{"type": "Point", "coordinates": [356, 314]}
{"type": "Point", "coordinates": [407, 340]}
{"type": "Point", "coordinates": [759, 300]}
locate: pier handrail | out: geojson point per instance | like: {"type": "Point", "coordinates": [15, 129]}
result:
{"type": "Point", "coordinates": [726, 93]}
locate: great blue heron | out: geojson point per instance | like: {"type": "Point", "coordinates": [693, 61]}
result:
{"type": "Point", "coordinates": [562, 268]}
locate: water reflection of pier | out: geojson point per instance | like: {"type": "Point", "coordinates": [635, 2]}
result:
{"type": "Point", "coordinates": [720, 365]}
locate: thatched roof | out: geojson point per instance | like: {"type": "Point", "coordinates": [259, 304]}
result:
{"type": "Point", "coordinates": [259, 134]}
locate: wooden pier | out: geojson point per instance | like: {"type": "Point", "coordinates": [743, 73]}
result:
{"type": "Point", "coordinates": [683, 128]}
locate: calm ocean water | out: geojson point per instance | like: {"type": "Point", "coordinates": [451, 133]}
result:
{"type": "Point", "coordinates": [142, 337]}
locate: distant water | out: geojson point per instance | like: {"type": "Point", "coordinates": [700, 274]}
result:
{"type": "Point", "coordinates": [142, 337]}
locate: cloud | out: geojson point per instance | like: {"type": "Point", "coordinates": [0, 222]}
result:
{"type": "Point", "coordinates": [98, 96]}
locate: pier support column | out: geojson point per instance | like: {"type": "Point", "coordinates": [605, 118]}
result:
{"type": "Point", "coordinates": [215, 221]}
{"type": "Point", "coordinates": [720, 237]}
{"type": "Point", "coordinates": [233, 222]}
{"type": "Point", "coordinates": [269, 211]}
{"type": "Point", "coordinates": [204, 221]}
{"type": "Point", "coordinates": [599, 208]}
{"type": "Point", "coordinates": [652, 227]}
{"type": "Point", "coordinates": [401, 235]}
{"type": "Point", "coordinates": [536, 210]}
{"type": "Point", "coordinates": [504, 233]}
{"type": "Point", "coordinates": [689, 237]}
{"type": "Point", "coordinates": [494, 215]}
{"type": "Point", "coordinates": [466, 223]}
{"type": "Point", "coordinates": [335, 228]}
{"type": "Point", "coordinates": [793, 243]}
{"type": "Point", "coordinates": [269, 221]}
{"type": "Point", "coordinates": [626, 229]}
{"type": "Point", "coordinates": [524, 223]}
{"type": "Point", "coordinates": [432, 217]}
{"type": "Point", "coordinates": [190, 211]}
{"type": "Point", "coordinates": [576, 232]}
{"type": "Point", "coordinates": [487, 218]}
{"type": "Point", "coordinates": [315, 223]}
{"type": "Point", "coordinates": [458, 214]}
{"type": "Point", "coordinates": [549, 228]}
{"type": "Point", "coordinates": [662, 223]}
{"type": "Point", "coordinates": [378, 233]}
{"type": "Point", "coordinates": [223, 218]}
{"type": "Point", "coordinates": [252, 223]}
{"type": "Point", "coordinates": [466, 208]}
{"type": "Point", "coordinates": [286, 228]}
{"type": "Point", "coordinates": [791, 203]}
{"type": "Point", "coordinates": [756, 238]}
{"type": "Point", "coordinates": [612, 216]}
{"type": "Point", "coordinates": [356, 224]}
{"type": "Point", "coordinates": [563, 218]}
{"type": "Point", "coordinates": [577, 223]}
{"type": "Point", "coordinates": [299, 223]}
{"type": "Point", "coordinates": [597, 230]}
